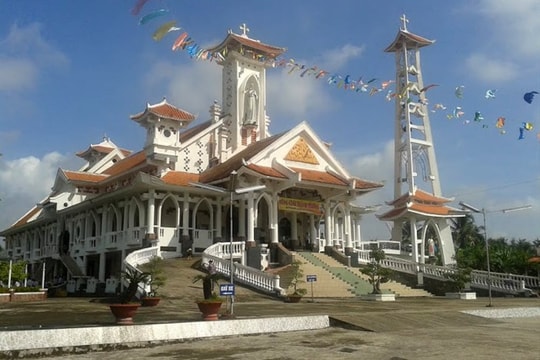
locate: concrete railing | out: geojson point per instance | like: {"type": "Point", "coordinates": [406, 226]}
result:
{"type": "Point", "coordinates": [136, 258]}
{"type": "Point", "coordinates": [220, 253]}
{"type": "Point", "coordinates": [501, 282]}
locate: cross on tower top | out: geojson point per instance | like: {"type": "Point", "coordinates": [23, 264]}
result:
{"type": "Point", "coordinates": [404, 22]}
{"type": "Point", "coordinates": [244, 29]}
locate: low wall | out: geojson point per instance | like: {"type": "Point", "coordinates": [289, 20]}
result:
{"type": "Point", "coordinates": [23, 296]}
{"type": "Point", "coordinates": [20, 343]}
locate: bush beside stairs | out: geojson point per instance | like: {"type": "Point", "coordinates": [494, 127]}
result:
{"type": "Point", "coordinates": [337, 280]}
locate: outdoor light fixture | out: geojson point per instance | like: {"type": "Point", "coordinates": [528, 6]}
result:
{"type": "Point", "coordinates": [483, 212]}
{"type": "Point", "coordinates": [231, 192]}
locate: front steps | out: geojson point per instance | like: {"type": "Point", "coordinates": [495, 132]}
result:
{"type": "Point", "coordinates": [337, 280]}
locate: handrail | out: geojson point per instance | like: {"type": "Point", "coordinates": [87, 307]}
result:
{"type": "Point", "coordinates": [220, 254]}
{"type": "Point", "coordinates": [502, 282]}
{"type": "Point", "coordinates": [136, 258]}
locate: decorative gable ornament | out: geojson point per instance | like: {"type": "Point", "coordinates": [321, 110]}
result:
{"type": "Point", "coordinates": [301, 152]}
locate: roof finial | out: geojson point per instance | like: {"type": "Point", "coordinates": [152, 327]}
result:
{"type": "Point", "coordinates": [244, 29]}
{"type": "Point", "coordinates": [404, 22]}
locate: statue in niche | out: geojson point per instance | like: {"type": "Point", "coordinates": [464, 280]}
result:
{"type": "Point", "coordinates": [251, 106]}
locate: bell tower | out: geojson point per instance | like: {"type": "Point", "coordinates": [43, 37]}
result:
{"type": "Point", "coordinates": [244, 62]}
{"type": "Point", "coordinates": [415, 164]}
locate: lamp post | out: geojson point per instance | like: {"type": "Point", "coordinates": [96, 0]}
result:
{"type": "Point", "coordinates": [483, 212]}
{"type": "Point", "coordinates": [231, 192]}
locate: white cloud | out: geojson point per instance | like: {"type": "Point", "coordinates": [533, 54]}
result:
{"type": "Point", "coordinates": [491, 70]}
{"type": "Point", "coordinates": [187, 84]}
{"type": "Point", "coordinates": [288, 99]}
{"type": "Point", "coordinates": [335, 59]}
{"type": "Point", "coordinates": [378, 167]}
{"type": "Point", "coordinates": [24, 56]}
{"type": "Point", "coordinates": [26, 181]}
{"type": "Point", "coordinates": [17, 74]}
{"type": "Point", "coordinates": [514, 24]}
{"type": "Point", "coordinates": [294, 99]}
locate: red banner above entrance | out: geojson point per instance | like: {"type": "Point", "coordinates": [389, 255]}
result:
{"type": "Point", "coordinates": [297, 205]}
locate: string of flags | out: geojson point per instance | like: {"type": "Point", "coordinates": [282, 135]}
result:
{"type": "Point", "coordinates": [372, 87]}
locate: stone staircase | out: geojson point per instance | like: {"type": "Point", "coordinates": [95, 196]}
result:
{"type": "Point", "coordinates": [337, 280]}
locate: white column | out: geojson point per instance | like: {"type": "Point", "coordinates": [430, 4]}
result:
{"type": "Point", "coordinates": [312, 231]}
{"type": "Point", "coordinates": [242, 219]}
{"type": "Point", "coordinates": [151, 212]}
{"type": "Point", "coordinates": [358, 228]}
{"type": "Point", "coordinates": [251, 218]}
{"type": "Point", "coordinates": [348, 232]}
{"type": "Point", "coordinates": [422, 250]}
{"type": "Point", "coordinates": [414, 240]}
{"type": "Point", "coordinates": [219, 220]}
{"type": "Point", "coordinates": [101, 273]}
{"type": "Point", "coordinates": [185, 215]}
{"type": "Point", "coordinates": [327, 224]}
{"type": "Point", "coordinates": [294, 229]}
{"type": "Point", "coordinates": [274, 218]}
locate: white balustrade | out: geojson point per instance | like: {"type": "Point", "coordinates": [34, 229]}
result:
{"type": "Point", "coordinates": [139, 257]}
{"type": "Point", "coordinates": [220, 254]}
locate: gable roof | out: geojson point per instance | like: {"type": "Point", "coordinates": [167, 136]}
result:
{"type": "Point", "coordinates": [421, 204]}
{"type": "Point", "coordinates": [126, 164]}
{"type": "Point", "coordinates": [411, 41]}
{"type": "Point", "coordinates": [166, 111]}
{"type": "Point", "coordinates": [224, 169]}
{"type": "Point", "coordinates": [237, 42]}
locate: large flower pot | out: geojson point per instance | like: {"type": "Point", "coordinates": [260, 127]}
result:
{"type": "Point", "coordinates": [294, 298]}
{"type": "Point", "coordinates": [209, 309]}
{"type": "Point", "coordinates": [124, 313]}
{"type": "Point", "coordinates": [150, 301]}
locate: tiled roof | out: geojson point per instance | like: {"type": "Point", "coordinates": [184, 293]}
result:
{"type": "Point", "coordinates": [165, 110]}
{"type": "Point", "coordinates": [191, 132]}
{"type": "Point", "coordinates": [267, 171]}
{"type": "Point", "coordinates": [410, 39]}
{"type": "Point", "coordinates": [421, 203]}
{"type": "Point", "coordinates": [419, 195]}
{"type": "Point", "coordinates": [363, 184]}
{"type": "Point", "coordinates": [319, 176]}
{"type": "Point", "coordinates": [179, 178]}
{"type": "Point", "coordinates": [24, 220]}
{"type": "Point", "coordinates": [234, 40]}
{"type": "Point", "coordinates": [224, 169]}
{"type": "Point", "coordinates": [84, 176]}
{"type": "Point", "coordinates": [100, 149]}
{"type": "Point", "coordinates": [126, 164]}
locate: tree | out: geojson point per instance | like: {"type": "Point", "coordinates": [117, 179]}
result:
{"type": "Point", "coordinates": [376, 273]}
{"type": "Point", "coordinates": [465, 232]}
{"type": "Point", "coordinates": [18, 269]}
{"type": "Point", "coordinates": [297, 278]}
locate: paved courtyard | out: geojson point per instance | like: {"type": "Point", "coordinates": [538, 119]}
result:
{"type": "Point", "coordinates": [409, 328]}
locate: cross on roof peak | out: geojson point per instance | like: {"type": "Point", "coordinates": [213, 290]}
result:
{"type": "Point", "coordinates": [244, 29]}
{"type": "Point", "coordinates": [404, 22]}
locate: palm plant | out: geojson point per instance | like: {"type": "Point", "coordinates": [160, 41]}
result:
{"type": "Point", "coordinates": [133, 277]}
{"type": "Point", "coordinates": [209, 280]}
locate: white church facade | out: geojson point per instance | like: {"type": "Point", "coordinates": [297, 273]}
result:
{"type": "Point", "coordinates": [194, 184]}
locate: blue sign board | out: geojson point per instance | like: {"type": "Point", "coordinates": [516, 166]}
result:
{"type": "Point", "coordinates": [311, 278]}
{"type": "Point", "coordinates": [226, 289]}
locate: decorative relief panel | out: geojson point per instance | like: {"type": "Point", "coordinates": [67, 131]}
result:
{"type": "Point", "coordinates": [301, 152]}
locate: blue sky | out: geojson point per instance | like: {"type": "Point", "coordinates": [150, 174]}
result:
{"type": "Point", "coordinates": [73, 71]}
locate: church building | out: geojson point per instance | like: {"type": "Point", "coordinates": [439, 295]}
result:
{"type": "Point", "coordinates": [196, 183]}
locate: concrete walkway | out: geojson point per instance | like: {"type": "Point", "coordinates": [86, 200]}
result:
{"type": "Point", "coordinates": [82, 318]}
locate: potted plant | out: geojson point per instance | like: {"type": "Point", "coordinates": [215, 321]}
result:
{"type": "Point", "coordinates": [377, 275]}
{"type": "Point", "coordinates": [297, 275]}
{"type": "Point", "coordinates": [211, 303]}
{"type": "Point", "coordinates": [459, 280]}
{"type": "Point", "coordinates": [125, 309]}
{"type": "Point", "coordinates": [156, 279]}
